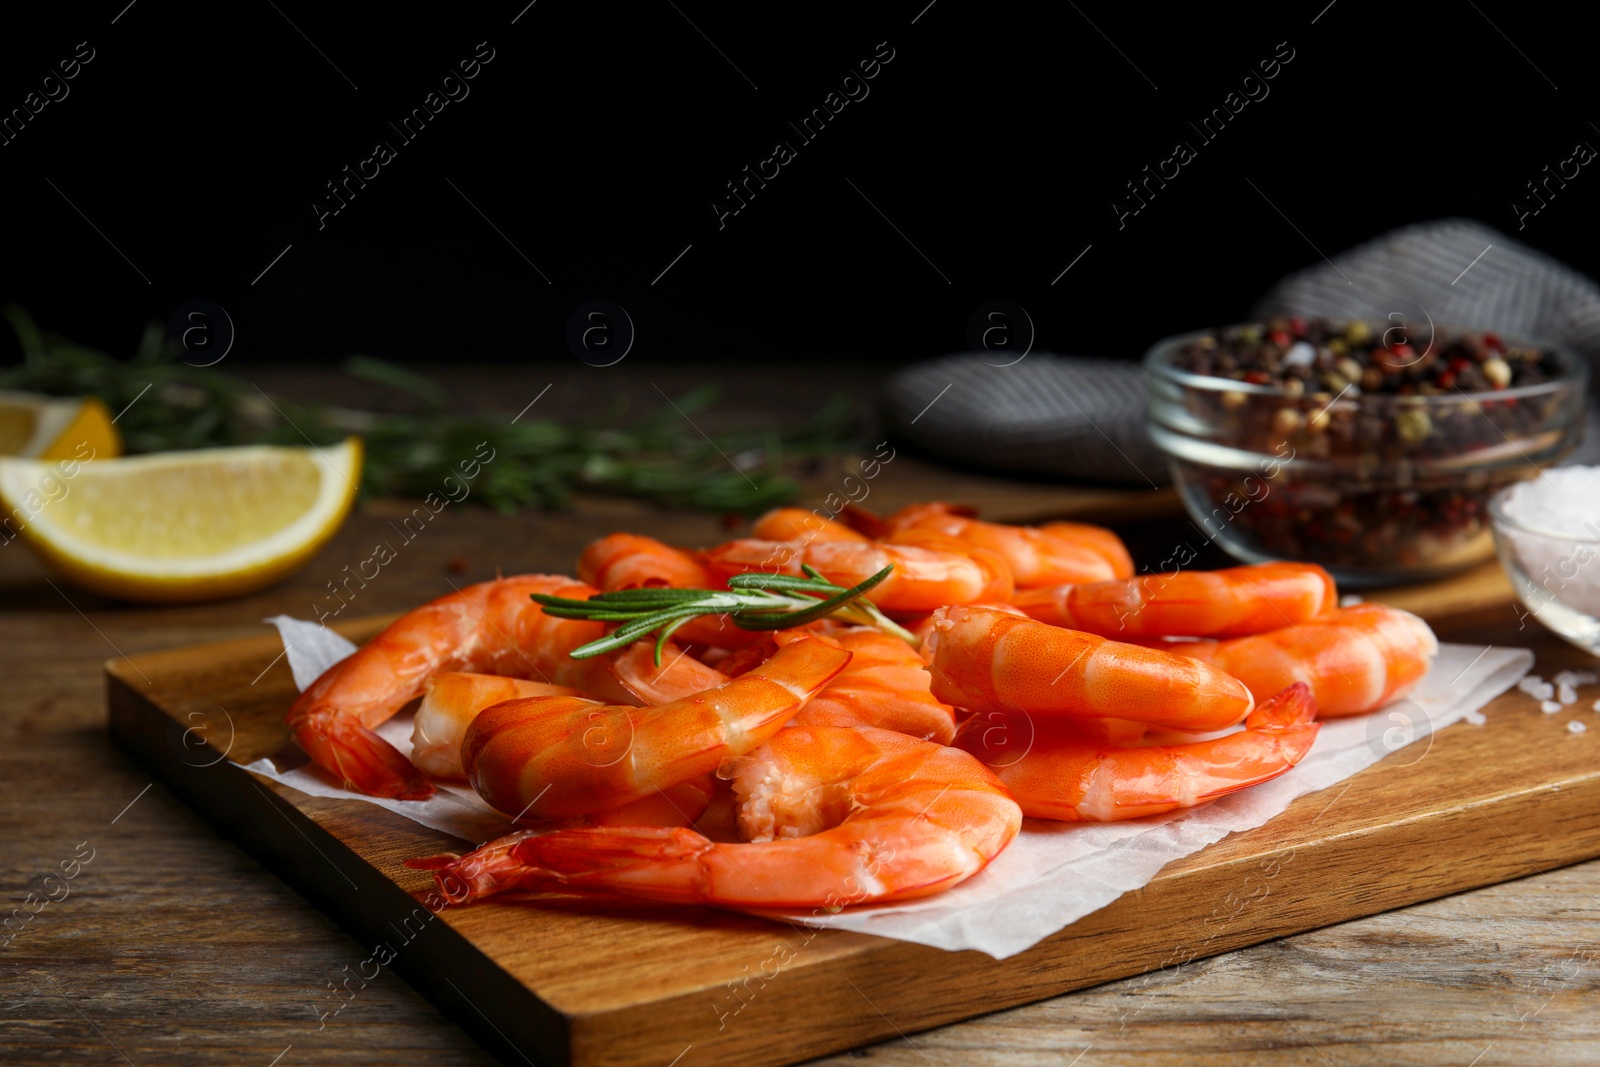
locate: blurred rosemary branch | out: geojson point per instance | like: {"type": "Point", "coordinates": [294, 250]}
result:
{"type": "Point", "coordinates": [654, 456]}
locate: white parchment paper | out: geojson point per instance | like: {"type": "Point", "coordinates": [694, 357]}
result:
{"type": "Point", "coordinates": [1054, 873]}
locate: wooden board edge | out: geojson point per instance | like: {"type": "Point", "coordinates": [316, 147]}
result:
{"type": "Point", "coordinates": [1480, 852]}
{"type": "Point", "coordinates": [253, 815]}
{"type": "Point", "coordinates": [1245, 901]}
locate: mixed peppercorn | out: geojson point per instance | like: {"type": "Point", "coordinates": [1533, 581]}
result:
{"type": "Point", "coordinates": [1370, 415]}
{"type": "Point", "coordinates": [1308, 356]}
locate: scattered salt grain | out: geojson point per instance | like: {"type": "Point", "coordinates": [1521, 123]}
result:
{"type": "Point", "coordinates": [1476, 718]}
{"type": "Point", "coordinates": [1576, 678]}
{"type": "Point", "coordinates": [1349, 600]}
{"type": "Point", "coordinates": [1596, 705]}
{"type": "Point", "coordinates": [1541, 690]}
{"type": "Point", "coordinates": [1549, 707]}
{"type": "Point", "coordinates": [1567, 695]}
{"type": "Point", "coordinates": [1300, 354]}
{"type": "Point", "coordinates": [1576, 727]}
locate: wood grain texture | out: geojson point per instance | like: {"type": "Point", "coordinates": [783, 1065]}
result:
{"type": "Point", "coordinates": [586, 982]}
{"type": "Point", "coordinates": [176, 946]}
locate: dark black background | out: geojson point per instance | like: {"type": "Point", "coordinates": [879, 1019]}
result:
{"type": "Point", "coordinates": [598, 135]}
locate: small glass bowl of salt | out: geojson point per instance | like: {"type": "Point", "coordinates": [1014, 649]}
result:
{"type": "Point", "coordinates": [1547, 532]}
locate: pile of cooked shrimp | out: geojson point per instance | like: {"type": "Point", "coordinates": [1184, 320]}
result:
{"type": "Point", "coordinates": [1028, 672]}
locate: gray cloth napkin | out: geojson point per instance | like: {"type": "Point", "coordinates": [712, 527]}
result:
{"type": "Point", "coordinates": [1083, 419]}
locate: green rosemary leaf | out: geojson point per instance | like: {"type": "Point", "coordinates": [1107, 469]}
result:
{"type": "Point", "coordinates": [646, 623]}
{"type": "Point", "coordinates": [758, 609]}
{"type": "Point", "coordinates": [643, 597]}
{"type": "Point", "coordinates": [385, 373]}
{"type": "Point", "coordinates": [536, 462]}
{"type": "Point", "coordinates": [548, 600]}
{"type": "Point", "coordinates": [600, 647]}
{"type": "Point", "coordinates": [816, 583]}
{"type": "Point", "coordinates": [767, 580]}
{"type": "Point", "coordinates": [667, 632]}
{"type": "Point", "coordinates": [773, 621]}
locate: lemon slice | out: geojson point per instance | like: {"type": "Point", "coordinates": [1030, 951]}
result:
{"type": "Point", "coordinates": [43, 427]}
{"type": "Point", "coordinates": [180, 526]}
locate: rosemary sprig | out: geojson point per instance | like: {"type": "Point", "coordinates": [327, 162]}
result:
{"type": "Point", "coordinates": [537, 461]}
{"type": "Point", "coordinates": [752, 601]}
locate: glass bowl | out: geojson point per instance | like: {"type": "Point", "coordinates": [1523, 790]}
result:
{"type": "Point", "coordinates": [1377, 487]}
{"type": "Point", "coordinates": [1556, 574]}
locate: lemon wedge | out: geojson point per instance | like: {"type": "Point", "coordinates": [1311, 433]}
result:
{"type": "Point", "coordinates": [44, 427]}
{"type": "Point", "coordinates": [180, 526]}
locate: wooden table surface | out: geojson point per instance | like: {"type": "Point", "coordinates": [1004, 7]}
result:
{"type": "Point", "coordinates": [176, 947]}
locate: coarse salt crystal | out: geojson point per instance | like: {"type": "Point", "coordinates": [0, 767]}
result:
{"type": "Point", "coordinates": [1576, 678]}
{"type": "Point", "coordinates": [1544, 692]}
{"type": "Point", "coordinates": [1549, 707]}
{"type": "Point", "coordinates": [1576, 727]}
{"type": "Point", "coordinates": [1476, 718]}
{"type": "Point", "coordinates": [1556, 536]}
{"type": "Point", "coordinates": [1567, 695]}
{"type": "Point", "coordinates": [1349, 600]}
{"type": "Point", "coordinates": [1300, 354]}
{"type": "Point", "coordinates": [1529, 683]}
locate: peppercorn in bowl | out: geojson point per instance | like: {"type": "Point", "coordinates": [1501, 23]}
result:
{"type": "Point", "coordinates": [1371, 450]}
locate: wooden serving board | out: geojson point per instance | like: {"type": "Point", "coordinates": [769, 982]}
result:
{"type": "Point", "coordinates": [556, 979]}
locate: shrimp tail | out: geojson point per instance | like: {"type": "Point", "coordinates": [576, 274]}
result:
{"type": "Point", "coordinates": [1294, 706]}
{"type": "Point", "coordinates": [662, 863]}
{"type": "Point", "coordinates": [483, 872]}
{"type": "Point", "coordinates": [361, 759]}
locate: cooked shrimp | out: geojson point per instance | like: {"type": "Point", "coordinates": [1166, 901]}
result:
{"type": "Point", "coordinates": [549, 757]}
{"type": "Point", "coordinates": [680, 674]}
{"type": "Point", "coordinates": [489, 628]}
{"type": "Point", "coordinates": [1098, 539]}
{"type": "Point", "coordinates": [798, 524]}
{"type": "Point", "coordinates": [834, 816]}
{"type": "Point", "coordinates": [1036, 556]}
{"type": "Point", "coordinates": [924, 578]}
{"type": "Point", "coordinates": [626, 561]}
{"type": "Point", "coordinates": [1355, 660]}
{"type": "Point", "coordinates": [1225, 603]}
{"type": "Point", "coordinates": [1067, 776]}
{"type": "Point", "coordinates": [485, 869]}
{"type": "Point", "coordinates": [885, 686]}
{"type": "Point", "coordinates": [450, 702]}
{"type": "Point", "coordinates": [922, 628]}
{"type": "Point", "coordinates": [989, 660]}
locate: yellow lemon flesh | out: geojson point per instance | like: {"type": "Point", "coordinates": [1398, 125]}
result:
{"type": "Point", "coordinates": [180, 526]}
{"type": "Point", "coordinates": [42, 427]}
